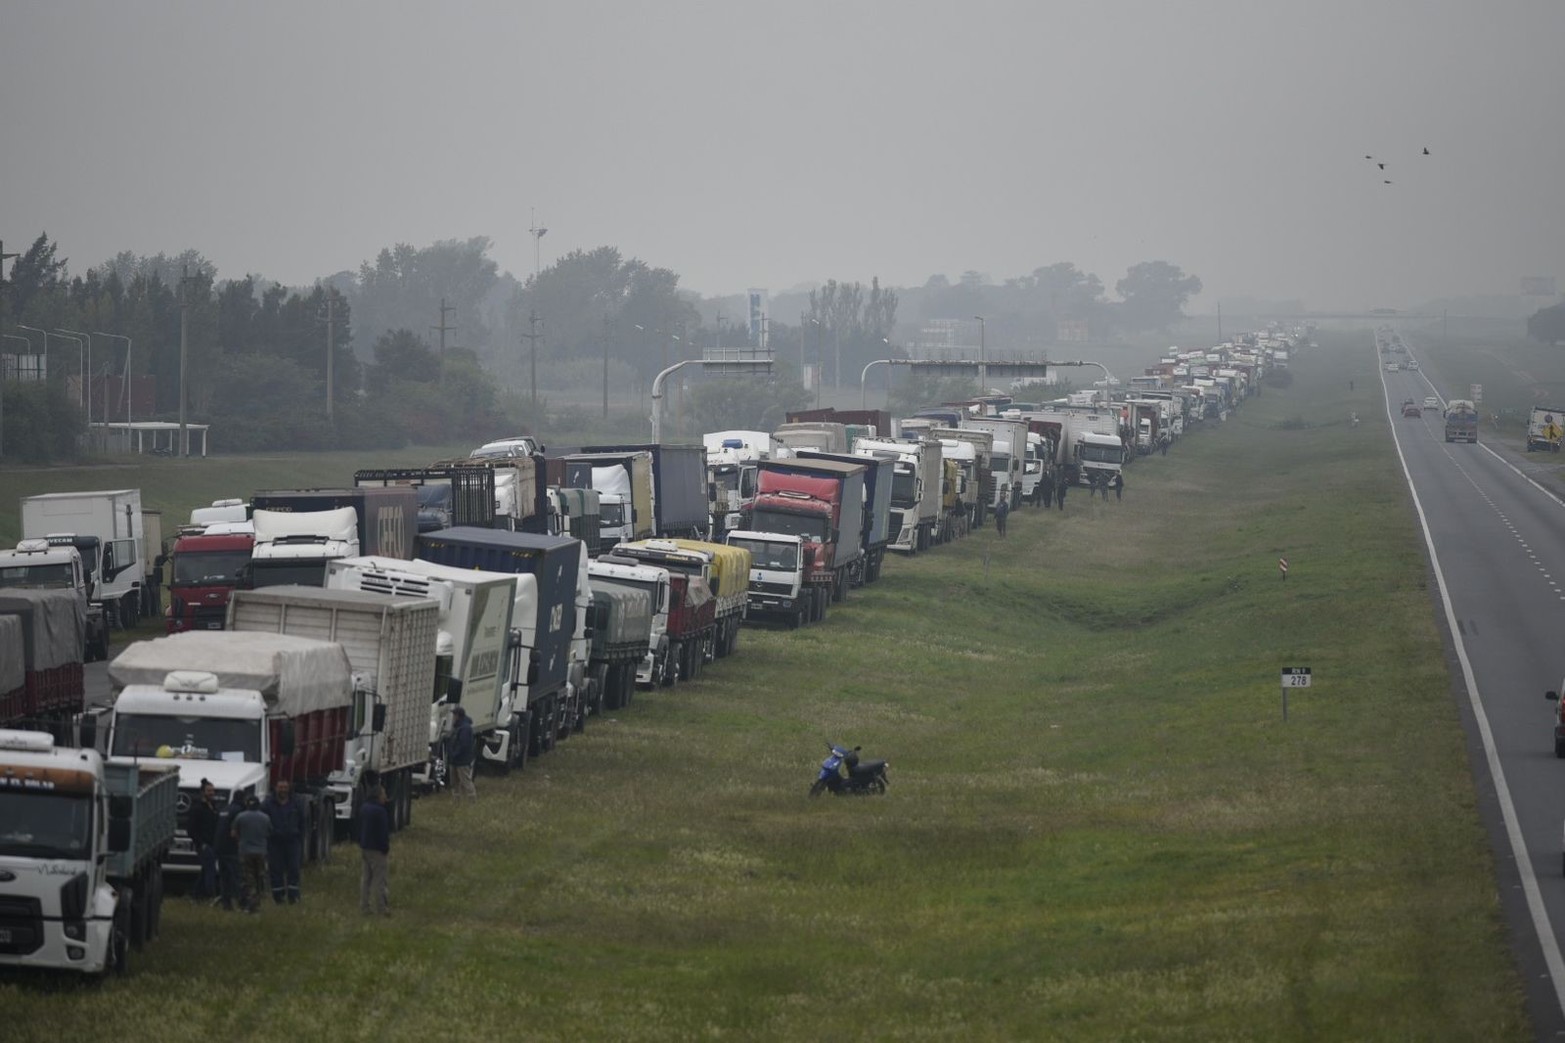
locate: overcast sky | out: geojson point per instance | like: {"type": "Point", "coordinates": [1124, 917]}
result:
{"type": "Point", "coordinates": [768, 144]}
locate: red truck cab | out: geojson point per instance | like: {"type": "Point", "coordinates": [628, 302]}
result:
{"type": "Point", "coordinates": [207, 568]}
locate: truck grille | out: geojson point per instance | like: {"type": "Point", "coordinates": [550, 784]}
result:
{"type": "Point", "coordinates": [759, 587]}
{"type": "Point", "coordinates": [21, 924]}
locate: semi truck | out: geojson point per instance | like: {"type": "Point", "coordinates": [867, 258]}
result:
{"type": "Point", "coordinates": [822, 501]}
{"type": "Point", "coordinates": [988, 492]}
{"type": "Point", "coordinates": [879, 474]}
{"type": "Point", "coordinates": [778, 569]}
{"type": "Point", "coordinates": [43, 682]}
{"type": "Point", "coordinates": [242, 710]}
{"type": "Point", "coordinates": [577, 513]}
{"type": "Point", "coordinates": [679, 497]}
{"type": "Point", "coordinates": [447, 495]}
{"type": "Point", "coordinates": [521, 499]}
{"type": "Point", "coordinates": [1008, 454]}
{"type": "Point", "coordinates": [81, 844]}
{"type": "Point", "coordinates": [658, 665]}
{"type": "Point", "coordinates": [821, 436]}
{"type": "Point", "coordinates": [390, 643]}
{"type": "Point", "coordinates": [621, 624]}
{"type": "Point", "coordinates": [206, 568]}
{"type": "Point", "coordinates": [108, 529]}
{"type": "Point", "coordinates": [297, 531]}
{"type": "Point", "coordinates": [732, 459]}
{"type": "Point", "coordinates": [41, 565]}
{"type": "Point", "coordinates": [1545, 427]}
{"type": "Point", "coordinates": [915, 489]}
{"type": "Point", "coordinates": [623, 482]}
{"type": "Point", "coordinates": [560, 696]}
{"type": "Point", "coordinates": [725, 570]}
{"type": "Point", "coordinates": [487, 622]}
{"type": "Point", "coordinates": [856, 423]}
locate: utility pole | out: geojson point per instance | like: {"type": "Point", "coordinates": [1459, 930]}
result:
{"type": "Point", "coordinates": [442, 328]}
{"type": "Point", "coordinates": [1219, 322]}
{"type": "Point", "coordinates": [803, 377]}
{"type": "Point", "coordinates": [606, 327]}
{"type": "Point", "coordinates": [836, 366]}
{"type": "Point", "coordinates": [4, 257]}
{"type": "Point", "coordinates": [532, 340]}
{"type": "Point", "coordinates": [184, 351]}
{"type": "Point", "coordinates": [331, 350]}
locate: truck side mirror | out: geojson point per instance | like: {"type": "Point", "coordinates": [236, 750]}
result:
{"type": "Point", "coordinates": [119, 835]}
{"type": "Point", "coordinates": [454, 691]}
{"type": "Point", "coordinates": [87, 731]}
{"type": "Point", "coordinates": [378, 717]}
{"type": "Point", "coordinates": [285, 739]}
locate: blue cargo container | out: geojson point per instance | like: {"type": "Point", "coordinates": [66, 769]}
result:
{"type": "Point", "coordinates": [552, 560]}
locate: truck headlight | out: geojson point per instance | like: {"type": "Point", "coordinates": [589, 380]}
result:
{"type": "Point", "coordinates": [76, 930]}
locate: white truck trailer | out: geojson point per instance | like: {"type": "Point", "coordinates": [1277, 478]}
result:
{"type": "Point", "coordinates": [915, 489]}
{"type": "Point", "coordinates": [108, 529]}
{"type": "Point", "coordinates": [390, 643]}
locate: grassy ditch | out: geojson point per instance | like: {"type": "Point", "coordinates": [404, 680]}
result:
{"type": "Point", "coordinates": [1099, 827]}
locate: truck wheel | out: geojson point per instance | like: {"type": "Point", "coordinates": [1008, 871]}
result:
{"type": "Point", "coordinates": [535, 732]}
{"type": "Point", "coordinates": [137, 913]}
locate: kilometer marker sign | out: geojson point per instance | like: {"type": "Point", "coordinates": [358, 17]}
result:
{"type": "Point", "coordinates": [1293, 677]}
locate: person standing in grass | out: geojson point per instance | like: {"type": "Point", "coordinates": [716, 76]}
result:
{"type": "Point", "coordinates": [287, 842]}
{"type": "Point", "coordinates": [461, 758]}
{"type": "Point", "coordinates": [375, 851]}
{"type": "Point", "coordinates": [1045, 491]}
{"type": "Point", "coordinates": [230, 887]}
{"type": "Point", "coordinates": [1002, 512]}
{"type": "Point", "coordinates": [252, 829]}
{"type": "Point", "coordinates": [1060, 490]}
{"type": "Point", "coordinates": [204, 814]}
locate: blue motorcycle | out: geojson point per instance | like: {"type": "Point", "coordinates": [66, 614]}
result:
{"type": "Point", "coordinates": [845, 775]}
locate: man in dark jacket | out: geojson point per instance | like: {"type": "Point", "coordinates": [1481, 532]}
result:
{"type": "Point", "coordinates": [230, 890]}
{"type": "Point", "coordinates": [202, 827]}
{"type": "Point", "coordinates": [460, 758]}
{"type": "Point", "coordinates": [1044, 494]}
{"type": "Point", "coordinates": [251, 830]}
{"type": "Point", "coordinates": [285, 849]}
{"type": "Point", "coordinates": [1001, 512]}
{"type": "Point", "coordinates": [375, 850]}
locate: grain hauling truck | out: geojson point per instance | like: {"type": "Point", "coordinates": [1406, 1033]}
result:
{"type": "Point", "coordinates": [42, 682]}
{"type": "Point", "coordinates": [298, 531]}
{"type": "Point", "coordinates": [40, 565]}
{"type": "Point", "coordinates": [390, 643]}
{"type": "Point", "coordinates": [447, 494]}
{"type": "Point", "coordinates": [621, 636]}
{"type": "Point", "coordinates": [108, 528]}
{"type": "Point", "coordinates": [657, 666]}
{"type": "Point", "coordinates": [243, 710]}
{"type": "Point", "coordinates": [81, 840]}
{"type": "Point", "coordinates": [725, 570]}
{"type": "Point", "coordinates": [487, 625]}
{"type": "Point", "coordinates": [778, 570]}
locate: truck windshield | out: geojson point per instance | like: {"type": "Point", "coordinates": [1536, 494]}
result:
{"type": "Point", "coordinates": [1102, 454]}
{"type": "Point", "coordinates": [1000, 463]}
{"type": "Point", "coordinates": [810, 526]}
{"type": "Point", "coordinates": [770, 554]}
{"type": "Point", "coordinates": [208, 567]}
{"type": "Point", "coordinates": [37, 576]}
{"type": "Point", "coordinates": [45, 825]}
{"type": "Point", "coordinates": [277, 573]}
{"type": "Point", "coordinates": [191, 738]}
{"type": "Point", "coordinates": [904, 487]}
{"type": "Point", "coordinates": [611, 515]}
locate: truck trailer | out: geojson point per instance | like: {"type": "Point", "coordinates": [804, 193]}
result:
{"type": "Point", "coordinates": [297, 531]}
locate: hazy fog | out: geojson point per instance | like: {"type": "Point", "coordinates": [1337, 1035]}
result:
{"type": "Point", "coordinates": [766, 144]}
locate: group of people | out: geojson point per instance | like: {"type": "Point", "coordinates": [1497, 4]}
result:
{"type": "Point", "coordinates": [1051, 491]}
{"type": "Point", "coordinates": [251, 846]}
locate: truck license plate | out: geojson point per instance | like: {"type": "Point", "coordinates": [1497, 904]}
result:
{"type": "Point", "coordinates": [214, 625]}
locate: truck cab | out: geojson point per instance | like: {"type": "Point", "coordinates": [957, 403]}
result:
{"type": "Point", "coordinates": [656, 666]}
{"type": "Point", "coordinates": [777, 575]}
{"type": "Point", "coordinates": [41, 565]}
{"type": "Point", "coordinates": [732, 472]}
{"type": "Point", "coordinates": [208, 566]}
{"type": "Point", "coordinates": [80, 840]}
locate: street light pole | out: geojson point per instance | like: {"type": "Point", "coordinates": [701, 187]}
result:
{"type": "Point", "coordinates": [81, 357]}
{"type": "Point", "coordinates": [24, 340]}
{"type": "Point", "coordinates": [86, 370]}
{"type": "Point", "coordinates": [983, 358]}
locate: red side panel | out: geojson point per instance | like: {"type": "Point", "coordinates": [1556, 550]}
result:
{"type": "Point", "coordinates": [318, 741]}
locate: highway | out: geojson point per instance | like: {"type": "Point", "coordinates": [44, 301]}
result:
{"type": "Point", "coordinates": [1497, 542]}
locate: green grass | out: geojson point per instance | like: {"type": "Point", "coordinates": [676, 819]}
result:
{"type": "Point", "coordinates": [1098, 828]}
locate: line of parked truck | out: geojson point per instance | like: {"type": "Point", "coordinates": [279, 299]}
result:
{"type": "Point", "coordinates": [325, 636]}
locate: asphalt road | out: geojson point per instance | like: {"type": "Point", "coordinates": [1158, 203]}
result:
{"type": "Point", "coordinates": [1497, 546]}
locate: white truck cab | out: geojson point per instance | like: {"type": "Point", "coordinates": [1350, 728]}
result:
{"type": "Point", "coordinates": [653, 580]}
{"type": "Point", "coordinates": [777, 574]}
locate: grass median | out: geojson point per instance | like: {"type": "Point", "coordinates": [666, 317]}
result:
{"type": "Point", "coordinates": [1099, 827]}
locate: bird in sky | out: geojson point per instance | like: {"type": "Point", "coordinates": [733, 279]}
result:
{"type": "Point", "coordinates": [1426, 151]}
{"type": "Point", "coordinates": [1385, 182]}
{"type": "Point", "coordinates": [1369, 157]}
{"type": "Point", "coordinates": [1382, 166]}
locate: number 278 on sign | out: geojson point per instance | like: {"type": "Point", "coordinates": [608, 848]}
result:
{"type": "Point", "coordinates": [1296, 677]}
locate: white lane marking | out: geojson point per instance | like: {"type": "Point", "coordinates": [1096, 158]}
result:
{"type": "Point", "coordinates": [1540, 916]}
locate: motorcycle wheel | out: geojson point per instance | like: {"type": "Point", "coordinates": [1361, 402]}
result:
{"type": "Point", "coordinates": [818, 788]}
{"type": "Point", "coordinates": [878, 786]}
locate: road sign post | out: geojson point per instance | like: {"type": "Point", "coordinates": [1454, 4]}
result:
{"type": "Point", "coordinates": [1293, 677]}
{"type": "Point", "coordinates": [1282, 567]}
